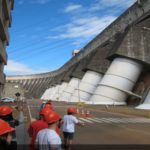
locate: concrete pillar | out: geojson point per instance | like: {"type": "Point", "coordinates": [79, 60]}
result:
{"type": "Point", "coordinates": [119, 79]}
{"type": "Point", "coordinates": [87, 86]}
{"type": "Point", "coordinates": [69, 90]}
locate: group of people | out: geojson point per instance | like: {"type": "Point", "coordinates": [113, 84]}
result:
{"type": "Point", "coordinates": [44, 132]}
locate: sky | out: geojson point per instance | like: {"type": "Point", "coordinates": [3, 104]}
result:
{"type": "Point", "coordinates": [44, 33]}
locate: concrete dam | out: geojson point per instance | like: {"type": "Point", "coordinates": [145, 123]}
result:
{"type": "Point", "coordinates": [112, 69]}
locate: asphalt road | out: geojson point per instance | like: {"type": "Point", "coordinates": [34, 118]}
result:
{"type": "Point", "coordinates": [103, 127]}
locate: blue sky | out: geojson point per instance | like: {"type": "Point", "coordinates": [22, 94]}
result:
{"type": "Point", "coordinates": [45, 32]}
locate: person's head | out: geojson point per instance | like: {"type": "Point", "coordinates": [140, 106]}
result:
{"type": "Point", "coordinates": [49, 102]}
{"type": "Point", "coordinates": [52, 118]}
{"type": "Point", "coordinates": [6, 113]}
{"type": "Point", "coordinates": [5, 131]}
{"type": "Point", "coordinates": [44, 112]}
{"type": "Point", "coordinates": [48, 105]}
{"type": "Point", "coordinates": [71, 111]}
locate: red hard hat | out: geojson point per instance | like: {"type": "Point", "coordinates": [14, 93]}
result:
{"type": "Point", "coordinates": [45, 111]}
{"type": "Point", "coordinates": [72, 110]}
{"type": "Point", "coordinates": [5, 127]}
{"type": "Point", "coordinates": [47, 105]}
{"type": "Point", "coordinates": [5, 110]}
{"type": "Point", "coordinates": [52, 117]}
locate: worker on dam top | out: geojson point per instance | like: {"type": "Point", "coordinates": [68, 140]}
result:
{"type": "Point", "coordinates": [48, 138]}
{"type": "Point", "coordinates": [6, 114]}
{"type": "Point", "coordinates": [69, 122]}
{"type": "Point", "coordinates": [6, 136]}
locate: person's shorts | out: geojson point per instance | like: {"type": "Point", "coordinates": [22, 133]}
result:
{"type": "Point", "coordinates": [68, 135]}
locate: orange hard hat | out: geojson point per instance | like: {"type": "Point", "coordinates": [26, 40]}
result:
{"type": "Point", "coordinates": [5, 110]}
{"type": "Point", "coordinates": [5, 127]}
{"type": "Point", "coordinates": [48, 106]}
{"type": "Point", "coordinates": [45, 111]}
{"type": "Point", "coordinates": [52, 117]}
{"type": "Point", "coordinates": [72, 110]}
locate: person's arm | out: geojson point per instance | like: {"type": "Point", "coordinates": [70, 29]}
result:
{"type": "Point", "coordinates": [80, 124]}
{"type": "Point", "coordinates": [77, 122]}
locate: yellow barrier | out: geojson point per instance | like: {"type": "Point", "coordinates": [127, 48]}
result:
{"type": "Point", "coordinates": [149, 114]}
{"type": "Point", "coordinates": [81, 104]}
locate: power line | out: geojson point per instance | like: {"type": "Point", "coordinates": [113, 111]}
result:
{"type": "Point", "coordinates": [41, 50]}
{"type": "Point", "coordinates": [34, 46]}
{"type": "Point", "coordinates": [40, 44]}
{"type": "Point", "coordinates": [35, 52]}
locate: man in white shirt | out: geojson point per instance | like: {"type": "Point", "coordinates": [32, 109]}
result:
{"type": "Point", "coordinates": [69, 122]}
{"type": "Point", "coordinates": [48, 139]}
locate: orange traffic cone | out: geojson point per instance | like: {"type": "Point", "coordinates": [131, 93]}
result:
{"type": "Point", "coordinates": [82, 113]}
{"type": "Point", "coordinates": [88, 113]}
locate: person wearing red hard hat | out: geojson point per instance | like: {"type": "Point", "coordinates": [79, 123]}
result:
{"type": "Point", "coordinates": [48, 138]}
{"type": "Point", "coordinates": [47, 105]}
{"type": "Point", "coordinates": [36, 126]}
{"type": "Point", "coordinates": [68, 128]}
{"type": "Point", "coordinates": [6, 114]}
{"type": "Point", "coordinates": [5, 135]}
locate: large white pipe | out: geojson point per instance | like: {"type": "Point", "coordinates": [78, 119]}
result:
{"type": "Point", "coordinates": [69, 90]}
{"type": "Point", "coordinates": [62, 88]}
{"type": "Point", "coordinates": [146, 104]}
{"type": "Point", "coordinates": [120, 77]}
{"type": "Point", "coordinates": [52, 92]}
{"type": "Point", "coordinates": [56, 94]}
{"type": "Point", "coordinates": [86, 87]}
{"type": "Point", "coordinates": [46, 94]}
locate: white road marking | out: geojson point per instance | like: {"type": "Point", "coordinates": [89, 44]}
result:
{"type": "Point", "coordinates": [120, 120]}
{"type": "Point", "coordinates": [80, 120]}
{"type": "Point", "coordinates": [105, 120]}
{"type": "Point", "coordinates": [95, 120]}
{"type": "Point", "coordinates": [86, 120]}
{"type": "Point", "coordinates": [99, 119]}
{"type": "Point", "coordinates": [114, 120]}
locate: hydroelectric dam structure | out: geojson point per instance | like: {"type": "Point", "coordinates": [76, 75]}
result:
{"type": "Point", "coordinates": [112, 69]}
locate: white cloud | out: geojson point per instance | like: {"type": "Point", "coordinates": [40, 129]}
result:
{"type": "Point", "coordinates": [17, 68]}
{"type": "Point", "coordinates": [124, 3]}
{"type": "Point", "coordinates": [85, 27]}
{"type": "Point", "coordinates": [103, 4]}
{"type": "Point", "coordinates": [72, 8]}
